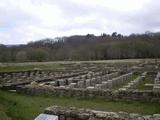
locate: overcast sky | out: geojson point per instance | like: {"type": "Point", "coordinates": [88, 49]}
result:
{"type": "Point", "coordinates": [22, 21]}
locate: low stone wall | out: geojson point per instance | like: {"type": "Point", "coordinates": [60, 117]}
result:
{"type": "Point", "coordinates": [73, 113]}
{"type": "Point", "coordinates": [147, 96]}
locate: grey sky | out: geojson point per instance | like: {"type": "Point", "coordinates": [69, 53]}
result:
{"type": "Point", "coordinates": [28, 20]}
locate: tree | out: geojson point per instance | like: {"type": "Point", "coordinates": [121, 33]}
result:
{"type": "Point", "coordinates": [114, 34]}
{"type": "Point", "coordinates": [21, 56]}
{"type": "Point", "coordinates": [37, 54]}
{"type": "Point", "coordinates": [85, 47]}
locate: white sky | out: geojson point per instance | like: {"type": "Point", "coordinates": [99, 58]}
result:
{"type": "Point", "coordinates": [22, 21]}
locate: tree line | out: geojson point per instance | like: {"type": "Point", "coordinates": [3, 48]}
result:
{"type": "Point", "coordinates": [85, 47]}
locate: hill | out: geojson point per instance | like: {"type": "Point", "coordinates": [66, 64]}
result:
{"type": "Point", "coordinates": [85, 47]}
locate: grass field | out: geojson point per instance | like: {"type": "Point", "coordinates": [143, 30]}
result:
{"type": "Point", "coordinates": [23, 107]}
{"type": "Point", "coordinates": [125, 82]}
{"type": "Point", "coordinates": [148, 80]}
{"type": "Point", "coordinates": [7, 67]}
{"type": "Point", "coordinates": [28, 66]}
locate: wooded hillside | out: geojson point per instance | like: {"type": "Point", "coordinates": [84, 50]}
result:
{"type": "Point", "coordinates": [88, 47]}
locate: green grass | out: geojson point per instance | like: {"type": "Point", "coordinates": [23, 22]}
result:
{"type": "Point", "coordinates": [23, 107]}
{"type": "Point", "coordinates": [116, 87]}
{"type": "Point", "coordinates": [7, 67]}
{"type": "Point", "coordinates": [29, 66]}
{"type": "Point", "coordinates": [3, 115]}
{"type": "Point", "coordinates": [147, 80]}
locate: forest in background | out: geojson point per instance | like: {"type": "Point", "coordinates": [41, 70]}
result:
{"type": "Point", "coordinates": [85, 47]}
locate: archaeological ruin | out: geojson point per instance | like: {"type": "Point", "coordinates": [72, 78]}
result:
{"type": "Point", "coordinates": [128, 82]}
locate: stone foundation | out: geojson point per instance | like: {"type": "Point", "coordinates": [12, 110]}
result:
{"type": "Point", "coordinates": [147, 96]}
{"type": "Point", "coordinates": [73, 113]}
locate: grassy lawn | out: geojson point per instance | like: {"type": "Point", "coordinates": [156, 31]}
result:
{"type": "Point", "coordinates": [3, 115]}
{"type": "Point", "coordinates": [23, 107]}
{"type": "Point", "coordinates": [6, 67]}
{"type": "Point", "coordinates": [28, 66]}
{"type": "Point", "coordinates": [125, 82]}
{"type": "Point", "coordinates": [148, 80]}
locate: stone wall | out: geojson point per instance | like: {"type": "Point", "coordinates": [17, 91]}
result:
{"type": "Point", "coordinates": [73, 113]}
{"type": "Point", "coordinates": [148, 96]}
{"type": "Point", "coordinates": [156, 86]}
